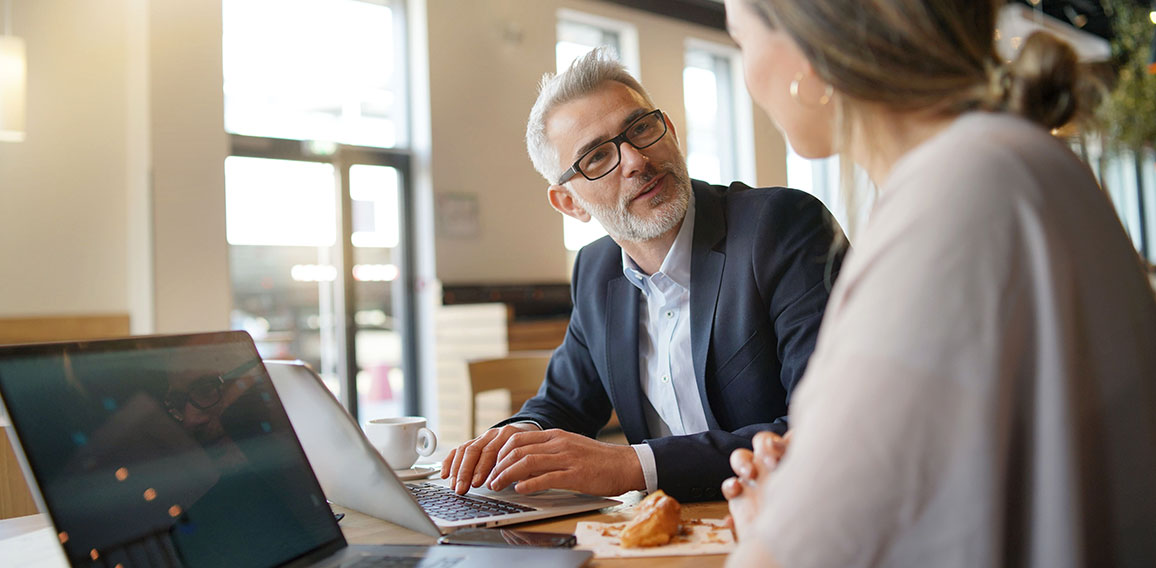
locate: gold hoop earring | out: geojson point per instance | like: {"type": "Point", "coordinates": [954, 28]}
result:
{"type": "Point", "coordinates": [828, 92]}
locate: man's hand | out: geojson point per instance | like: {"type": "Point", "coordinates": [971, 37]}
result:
{"type": "Point", "coordinates": [556, 459]}
{"type": "Point", "coordinates": [470, 463]}
{"type": "Point", "coordinates": [753, 470]}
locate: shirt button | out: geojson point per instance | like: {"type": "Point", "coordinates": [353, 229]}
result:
{"type": "Point", "coordinates": [665, 379]}
{"type": "Point", "coordinates": [669, 314]}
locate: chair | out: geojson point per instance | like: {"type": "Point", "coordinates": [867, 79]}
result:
{"type": "Point", "coordinates": [519, 373]}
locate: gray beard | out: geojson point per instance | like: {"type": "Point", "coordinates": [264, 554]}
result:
{"type": "Point", "coordinates": [622, 225]}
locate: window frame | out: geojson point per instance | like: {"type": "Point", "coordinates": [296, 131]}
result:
{"type": "Point", "coordinates": [741, 106]}
{"type": "Point", "coordinates": [627, 35]}
{"type": "Point", "coordinates": [343, 157]}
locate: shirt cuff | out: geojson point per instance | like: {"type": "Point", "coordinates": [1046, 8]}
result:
{"type": "Point", "coordinates": [649, 470]}
{"type": "Point", "coordinates": [530, 422]}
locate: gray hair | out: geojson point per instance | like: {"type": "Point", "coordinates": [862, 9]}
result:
{"type": "Point", "coordinates": [585, 75]}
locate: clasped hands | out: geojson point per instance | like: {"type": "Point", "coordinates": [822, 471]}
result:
{"type": "Point", "coordinates": [752, 470]}
{"type": "Point", "coordinates": [535, 460]}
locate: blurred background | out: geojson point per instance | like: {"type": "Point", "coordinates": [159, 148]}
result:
{"type": "Point", "coordinates": [347, 179]}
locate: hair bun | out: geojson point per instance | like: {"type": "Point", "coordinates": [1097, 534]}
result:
{"type": "Point", "coordinates": [1041, 82]}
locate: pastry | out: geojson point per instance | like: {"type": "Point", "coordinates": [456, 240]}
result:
{"type": "Point", "coordinates": [656, 522]}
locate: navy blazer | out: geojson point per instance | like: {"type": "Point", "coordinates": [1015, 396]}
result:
{"type": "Point", "coordinates": [762, 265]}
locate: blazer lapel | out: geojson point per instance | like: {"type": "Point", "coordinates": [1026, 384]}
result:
{"type": "Point", "coordinates": [706, 269]}
{"type": "Point", "coordinates": [622, 346]}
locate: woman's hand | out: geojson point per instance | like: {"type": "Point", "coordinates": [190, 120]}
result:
{"type": "Point", "coordinates": [752, 470]}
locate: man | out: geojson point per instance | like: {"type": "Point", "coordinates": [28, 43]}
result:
{"type": "Point", "coordinates": [694, 319]}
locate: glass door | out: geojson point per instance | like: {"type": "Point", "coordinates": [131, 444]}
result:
{"type": "Point", "coordinates": [379, 295]}
{"type": "Point", "coordinates": [317, 194]}
{"type": "Point", "coordinates": [319, 257]}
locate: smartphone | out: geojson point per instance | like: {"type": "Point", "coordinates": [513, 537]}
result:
{"type": "Point", "coordinates": [509, 537]}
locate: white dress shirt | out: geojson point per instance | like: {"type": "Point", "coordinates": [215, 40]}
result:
{"type": "Point", "coordinates": [666, 370]}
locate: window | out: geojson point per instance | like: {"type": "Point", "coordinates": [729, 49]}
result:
{"type": "Point", "coordinates": [279, 203]}
{"type": "Point", "coordinates": [316, 200]}
{"type": "Point", "coordinates": [578, 33]}
{"type": "Point", "coordinates": [315, 70]}
{"type": "Point", "coordinates": [822, 178]}
{"type": "Point", "coordinates": [1128, 182]}
{"type": "Point", "coordinates": [1129, 178]}
{"type": "Point", "coordinates": [720, 138]}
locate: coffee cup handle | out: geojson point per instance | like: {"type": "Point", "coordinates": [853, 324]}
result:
{"type": "Point", "coordinates": [427, 442]}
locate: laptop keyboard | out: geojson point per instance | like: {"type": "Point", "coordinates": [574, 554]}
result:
{"type": "Point", "coordinates": [441, 502]}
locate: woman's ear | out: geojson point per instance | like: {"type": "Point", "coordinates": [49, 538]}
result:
{"type": "Point", "coordinates": [563, 202]}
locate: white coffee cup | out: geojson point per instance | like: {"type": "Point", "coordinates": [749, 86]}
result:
{"type": "Point", "coordinates": [401, 440]}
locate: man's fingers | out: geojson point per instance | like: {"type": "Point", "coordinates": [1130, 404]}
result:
{"type": "Point", "coordinates": [530, 465]}
{"type": "Point", "coordinates": [518, 446]}
{"type": "Point", "coordinates": [469, 463]}
{"type": "Point", "coordinates": [524, 438]}
{"type": "Point", "coordinates": [517, 450]}
{"type": "Point", "coordinates": [448, 463]}
{"type": "Point", "coordinates": [486, 462]}
{"type": "Point", "coordinates": [550, 459]}
{"type": "Point", "coordinates": [457, 463]}
{"type": "Point", "coordinates": [551, 480]}
{"type": "Point", "coordinates": [466, 470]}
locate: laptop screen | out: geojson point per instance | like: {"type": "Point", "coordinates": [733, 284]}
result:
{"type": "Point", "coordinates": [157, 450]}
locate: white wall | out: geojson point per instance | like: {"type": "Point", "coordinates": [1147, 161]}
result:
{"type": "Point", "coordinates": [114, 203]}
{"type": "Point", "coordinates": [486, 58]}
{"type": "Point", "coordinates": [188, 147]}
{"type": "Point", "coordinates": [482, 87]}
{"type": "Point", "coordinates": [63, 190]}
{"type": "Point", "coordinates": [115, 200]}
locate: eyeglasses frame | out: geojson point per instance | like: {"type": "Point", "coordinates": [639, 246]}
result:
{"type": "Point", "coordinates": [179, 412]}
{"type": "Point", "coordinates": [617, 140]}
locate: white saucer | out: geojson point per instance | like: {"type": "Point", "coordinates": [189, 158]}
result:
{"type": "Point", "coordinates": [418, 471]}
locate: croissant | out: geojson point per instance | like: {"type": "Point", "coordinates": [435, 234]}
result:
{"type": "Point", "coordinates": [656, 522]}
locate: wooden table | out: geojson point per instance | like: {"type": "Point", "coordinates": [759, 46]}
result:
{"type": "Point", "coordinates": [363, 529]}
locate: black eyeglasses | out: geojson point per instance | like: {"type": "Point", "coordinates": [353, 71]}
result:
{"type": "Point", "coordinates": [203, 394]}
{"type": "Point", "coordinates": [603, 158]}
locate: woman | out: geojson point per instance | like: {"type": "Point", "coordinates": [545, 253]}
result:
{"type": "Point", "coordinates": [992, 326]}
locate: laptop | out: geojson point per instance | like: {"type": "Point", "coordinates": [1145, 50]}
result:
{"type": "Point", "coordinates": [176, 451]}
{"type": "Point", "coordinates": [354, 475]}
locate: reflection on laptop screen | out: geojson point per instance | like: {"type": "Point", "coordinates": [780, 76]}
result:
{"type": "Point", "coordinates": [164, 449]}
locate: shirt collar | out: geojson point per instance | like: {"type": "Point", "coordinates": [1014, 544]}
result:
{"type": "Point", "coordinates": [676, 264]}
